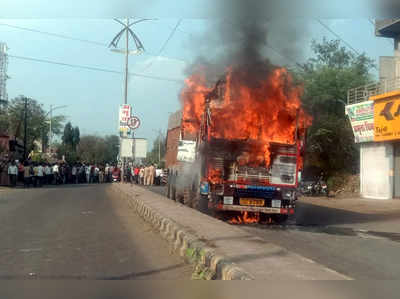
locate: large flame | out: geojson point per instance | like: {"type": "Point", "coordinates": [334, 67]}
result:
{"type": "Point", "coordinates": [266, 110]}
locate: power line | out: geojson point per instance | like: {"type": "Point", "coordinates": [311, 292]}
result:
{"type": "Point", "coordinates": [67, 37]}
{"type": "Point", "coordinates": [94, 68]}
{"type": "Point", "coordinates": [55, 34]}
{"type": "Point", "coordinates": [164, 45]}
{"type": "Point", "coordinates": [338, 36]}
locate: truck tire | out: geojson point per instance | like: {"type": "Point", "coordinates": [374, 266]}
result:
{"type": "Point", "coordinates": [280, 218]}
{"type": "Point", "coordinates": [202, 205]}
{"type": "Point", "coordinates": [173, 188]}
{"type": "Point", "coordinates": [169, 189]}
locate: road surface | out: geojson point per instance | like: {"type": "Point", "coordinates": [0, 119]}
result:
{"type": "Point", "coordinates": [80, 232]}
{"type": "Point", "coordinates": [358, 245]}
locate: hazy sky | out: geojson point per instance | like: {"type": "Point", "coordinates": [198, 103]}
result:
{"type": "Point", "coordinates": [93, 97]}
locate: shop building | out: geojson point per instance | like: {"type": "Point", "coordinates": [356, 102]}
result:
{"type": "Point", "coordinates": [374, 113]}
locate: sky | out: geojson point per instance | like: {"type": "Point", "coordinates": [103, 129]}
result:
{"type": "Point", "coordinates": [93, 97]}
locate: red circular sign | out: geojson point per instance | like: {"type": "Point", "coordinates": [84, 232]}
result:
{"type": "Point", "coordinates": [134, 123]}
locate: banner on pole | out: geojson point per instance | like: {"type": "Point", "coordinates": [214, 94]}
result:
{"type": "Point", "coordinates": [125, 112]}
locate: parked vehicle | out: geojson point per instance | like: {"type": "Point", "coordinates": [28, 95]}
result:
{"type": "Point", "coordinates": [116, 175]}
{"type": "Point", "coordinates": [320, 187]}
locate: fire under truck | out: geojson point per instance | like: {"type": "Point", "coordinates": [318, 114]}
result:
{"type": "Point", "coordinates": [205, 173]}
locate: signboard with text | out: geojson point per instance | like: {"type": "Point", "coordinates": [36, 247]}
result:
{"type": "Point", "coordinates": [387, 119]}
{"type": "Point", "coordinates": [125, 112]}
{"type": "Point", "coordinates": [361, 117]}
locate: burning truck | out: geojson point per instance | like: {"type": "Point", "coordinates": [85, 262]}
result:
{"type": "Point", "coordinates": [236, 148]}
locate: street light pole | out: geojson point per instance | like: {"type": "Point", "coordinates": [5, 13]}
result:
{"type": "Point", "coordinates": [50, 123]}
{"type": "Point", "coordinates": [126, 62]}
{"type": "Point", "coordinates": [25, 126]}
{"type": "Point", "coordinates": [139, 48]}
{"type": "Point", "coordinates": [51, 133]}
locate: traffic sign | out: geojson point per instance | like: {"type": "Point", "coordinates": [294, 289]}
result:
{"type": "Point", "coordinates": [134, 122]}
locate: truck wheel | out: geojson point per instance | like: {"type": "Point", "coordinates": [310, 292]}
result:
{"type": "Point", "coordinates": [187, 197]}
{"type": "Point", "coordinates": [173, 189]}
{"type": "Point", "coordinates": [280, 218]}
{"type": "Point", "coordinates": [169, 189]}
{"type": "Point", "coordinates": [202, 204]}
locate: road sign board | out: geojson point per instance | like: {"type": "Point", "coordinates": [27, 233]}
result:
{"type": "Point", "coordinates": [134, 122]}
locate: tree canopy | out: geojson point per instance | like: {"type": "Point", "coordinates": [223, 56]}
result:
{"type": "Point", "coordinates": [12, 122]}
{"type": "Point", "coordinates": [326, 78]}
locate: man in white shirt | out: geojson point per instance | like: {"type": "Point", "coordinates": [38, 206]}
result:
{"type": "Point", "coordinates": [40, 175]}
{"type": "Point", "coordinates": [73, 173]}
{"type": "Point", "coordinates": [56, 174]}
{"type": "Point", "coordinates": [107, 173]}
{"type": "Point", "coordinates": [47, 174]}
{"type": "Point", "coordinates": [12, 173]}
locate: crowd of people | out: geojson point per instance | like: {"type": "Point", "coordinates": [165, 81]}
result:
{"type": "Point", "coordinates": [143, 175]}
{"type": "Point", "coordinates": [37, 174]}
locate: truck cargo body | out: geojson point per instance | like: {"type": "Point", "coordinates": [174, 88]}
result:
{"type": "Point", "coordinates": [220, 175]}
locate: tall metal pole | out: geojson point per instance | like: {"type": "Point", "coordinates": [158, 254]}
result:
{"type": "Point", "coordinates": [50, 133]}
{"type": "Point", "coordinates": [126, 62]}
{"type": "Point", "coordinates": [159, 150]}
{"type": "Point", "coordinates": [126, 90]}
{"type": "Point", "coordinates": [25, 126]}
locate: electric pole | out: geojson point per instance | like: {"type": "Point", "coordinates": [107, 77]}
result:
{"type": "Point", "coordinates": [139, 49]}
{"type": "Point", "coordinates": [25, 126]}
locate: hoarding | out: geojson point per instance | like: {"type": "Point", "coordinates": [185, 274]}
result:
{"type": "Point", "coordinates": [387, 118]}
{"type": "Point", "coordinates": [186, 151]}
{"type": "Point", "coordinates": [125, 112]}
{"type": "Point", "coordinates": [140, 148]}
{"type": "Point", "coordinates": [361, 117]}
{"type": "Point", "coordinates": [126, 148]}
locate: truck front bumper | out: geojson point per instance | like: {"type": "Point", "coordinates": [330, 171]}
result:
{"type": "Point", "coordinates": [221, 207]}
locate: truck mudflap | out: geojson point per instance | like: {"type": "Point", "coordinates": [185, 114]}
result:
{"type": "Point", "coordinates": [265, 210]}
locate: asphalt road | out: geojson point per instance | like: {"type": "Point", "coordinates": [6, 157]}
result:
{"type": "Point", "coordinates": [362, 246]}
{"type": "Point", "coordinates": [80, 232]}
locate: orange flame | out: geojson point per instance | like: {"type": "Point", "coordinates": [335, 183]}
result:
{"type": "Point", "coordinates": [215, 176]}
{"type": "Point", "coordinates": [267, 111]}
{"type": "Point", "coordinates": [246, 218]}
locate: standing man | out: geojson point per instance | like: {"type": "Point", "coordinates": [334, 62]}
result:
{"type": "Point", "coordinates": [73, 174]}
{"type": "Point", "coordinates": [152, 173]}
{"type": "Point", "coordinates": [47, 174]}
{"type": "Point", "coordinates": [88, 167]}
{"type": "Point", "coordinates": [141, 175]}
{"type": "Point", "coordinates": [107, 173]}
{"type": "Point", "coordinates": [12, 173]}
{"type": "Point", "coordinates": [146, 175]}
{"type": "Point", "coordinates": [20, 176]}
{"type": "Point", "coordinates": [40, 174]}
{"type": "Point", "coordinates": [56, 173]}
{"type": "Point", "coordinates": [27, 175]}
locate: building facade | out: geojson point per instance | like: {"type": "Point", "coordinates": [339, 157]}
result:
{"type": "Point", "coordinates": [374, 113]}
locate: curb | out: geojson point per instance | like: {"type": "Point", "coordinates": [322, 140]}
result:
{"type": "Point", "coordinates": [208, 264]}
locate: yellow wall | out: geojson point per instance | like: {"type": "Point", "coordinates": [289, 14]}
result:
{"type": "Point", "coordinates": [387, 116]}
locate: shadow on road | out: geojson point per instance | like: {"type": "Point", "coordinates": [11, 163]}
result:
{"type": "Point", "coordinates": [314, 215]}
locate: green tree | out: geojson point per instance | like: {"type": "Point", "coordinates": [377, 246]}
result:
{"type": "Point", "coordinates": [70, 141]}
{"type": "Point", "coordinates": [327, 77]}
{"type": "Point", "coordinates": [76, 137]}
{"type": "Point", "coordinates": [37, 122]}
{"type": "Point", "coordinates": [98, 150]}
{"type": "Point", "coordinates": [68, 136]}
{"type": "Point", "coordinates": [158, 149]}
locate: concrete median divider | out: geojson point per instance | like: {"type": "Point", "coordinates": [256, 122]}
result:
{"type": "Point", "coordinates": [208, 265]}
{"type": "Point", "coordinates": [217, 250]}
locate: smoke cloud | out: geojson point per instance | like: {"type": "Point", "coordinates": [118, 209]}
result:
{"type": "Point", "coordinates": [245, 38]}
